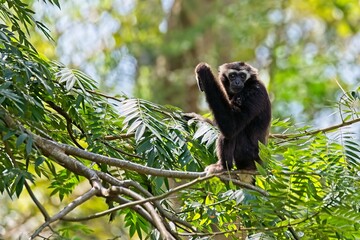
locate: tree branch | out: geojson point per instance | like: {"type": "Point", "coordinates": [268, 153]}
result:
{"type": "Point", "coordinates": [151, 199]}
{"type": "Point", "coordinates": [156, 218]}
{"type": "Point", "coordinates": [121, 151]}
{"type": "Point", "coordinates": [77, 202]}
{"type": "Point", "coordinates": [127, 164]}
{"type": "Point", "coordinates": [69, 122]}
{"type": "Point", "coordinates": [307, 133]}
{"type": "Point", "coordinates": [60, 153]}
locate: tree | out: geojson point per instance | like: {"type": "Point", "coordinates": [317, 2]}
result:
{"type": "Point", "coordinates": [120, 153]}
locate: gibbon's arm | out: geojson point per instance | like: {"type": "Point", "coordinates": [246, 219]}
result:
{"type": "Point", "coordinates": [217, 99]}
{"type": "Point", "coordinates": [255, 104]}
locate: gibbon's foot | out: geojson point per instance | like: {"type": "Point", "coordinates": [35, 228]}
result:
{"type": "Point", "coordinates": [197, 117]}
{"type": "Point", "coordinates": [189, 116]}
{"type": "Point", "coordinates": [214, 168]}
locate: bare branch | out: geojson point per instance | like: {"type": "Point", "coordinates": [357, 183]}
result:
{"type": "Point", "coordinates": [121, 136]}
{"type": "Point", "coordinates": [139, 209]}
{"type": "Point", "coordinates": [157, 220]}
{"type": "Point", "coordinates": [106, 96]}
{"type": "Point", "coordinates": [54, 150]}
{"type": "Point", "coordinates": [244, 185]}
{"type": "Point", "coordinates": [69, 122]}
{"type": "Point", "coordinates": [77, 202]}
{"type": "Point", "coordinates": [121, 151]}
{"type": "Point", "coordinates": [128, 164]}
{"type": "Point", "coordinates": [307, 133]}
{"type": "Point", "coordinates": [151, 199]}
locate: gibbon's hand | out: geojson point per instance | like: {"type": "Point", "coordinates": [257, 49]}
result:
{"type": "Point", "coordinates": [236, 104]}
{"type": "Point", "coordinates": [201, 71]}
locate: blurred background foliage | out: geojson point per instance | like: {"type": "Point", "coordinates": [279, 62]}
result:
{"type": "Point", "coordinates": [308, 56]}
{"type": "Point", "coordinates": [149, 49]}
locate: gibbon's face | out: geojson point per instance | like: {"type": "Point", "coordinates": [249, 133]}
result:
{"type": "Point", "coordinates": [234, 75]}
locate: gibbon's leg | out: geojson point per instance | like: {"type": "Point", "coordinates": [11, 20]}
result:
{"type": "Point", "coordinates": [225, 153]}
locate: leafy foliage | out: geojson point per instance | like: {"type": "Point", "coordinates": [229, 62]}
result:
{"type": "Point", "coordinates": [308, 186]}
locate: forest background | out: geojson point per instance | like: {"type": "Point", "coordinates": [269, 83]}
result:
{"type": "Point", "coordinates": [113, 78]}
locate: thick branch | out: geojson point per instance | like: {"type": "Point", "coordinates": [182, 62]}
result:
{"type": "Point", "coordinates": [53, 150]}
{"type": "Point", "coordinates": [128, 165]}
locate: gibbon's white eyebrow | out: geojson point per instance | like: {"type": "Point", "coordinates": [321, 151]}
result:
{"type": "Point", "coordinates": [238, 71]}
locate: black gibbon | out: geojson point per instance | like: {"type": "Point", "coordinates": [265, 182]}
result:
{"type": "Point", "coordinates": [242, 111]}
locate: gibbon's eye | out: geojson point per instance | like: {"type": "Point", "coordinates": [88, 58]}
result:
{"type": "Point", "coordinates": [232, 76]}
{"type": "Point", "coordinates": [243, 75]}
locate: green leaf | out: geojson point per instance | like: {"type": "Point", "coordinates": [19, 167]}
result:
{"type": "Point", "coordinates": [196, 216]}
{"type": "Point", "coordinates": [29, 144]}
{"type": "Point", "coordinates": [39, 161]}
{"type": "Point", "coordinates": [154, 131]}
{"type": "Point", "coordinates": [140, 132]}
{"type": "Point", "coordinates": [8, 135]}
{"type": "Point", "coordinates": [201, 131]}
{"type": "Point", "coordinates": [130, 117]}
{"type": "Point", "coordinates": [19, 184]}
{"type": "Point", "coordinates": [133, 126]}
{"type": "Point", "coordinates": [260, 169]}
{"type": "Point", "coordinates": [21, 139]}
{"type": "Point", "coordinates": [312, 189]}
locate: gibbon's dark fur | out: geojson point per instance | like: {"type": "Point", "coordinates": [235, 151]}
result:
{"type": "Point", "coordinates": [242, 111]}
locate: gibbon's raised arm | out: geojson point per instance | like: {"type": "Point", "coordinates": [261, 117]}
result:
{"type": "Point", "coordinates": [216, 97]}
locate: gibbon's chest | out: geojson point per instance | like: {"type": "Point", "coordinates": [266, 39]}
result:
{"type": "Point", "coordinates": [242, 99]}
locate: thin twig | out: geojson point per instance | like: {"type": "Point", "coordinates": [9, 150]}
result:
{"type": "Point", "coordinates": [71, 206]}
{"type": "Point", "coordinates": [151, 199]}
{"type": "Point", "coordinates": [307, 133]}
{"type": "Point", "coordinates": [121, 151]}
{"type": "Point", "coordinates": [245, 185]}
{"type": "Point", "coordinates": [28, 188]}
{"type": "Point", "coordinates": [156, 218]}
{"type": "Point", "coordinates": [120, 136]}
{"type": "Point", "coordinates": [105, 96]}
{"type": "Point", "coordinates": [69, 122]}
